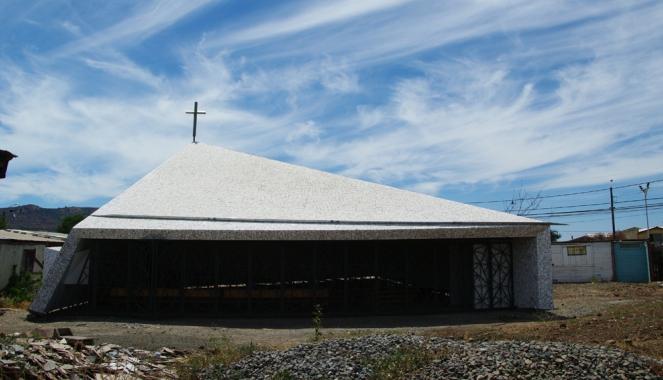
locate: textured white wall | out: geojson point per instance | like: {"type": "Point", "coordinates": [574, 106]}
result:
{"type": "Point", "coordinates": [532, 272]}
{"type": "Point", "coordinates": [50, 255]}
{"type": "Point", "coordinates": [53, 280]}
{"type": "Point", "coordinates": [596, 265]}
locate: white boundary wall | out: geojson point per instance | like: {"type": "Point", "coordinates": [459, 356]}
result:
{"type": "Point", "coordinates": [596, 265]}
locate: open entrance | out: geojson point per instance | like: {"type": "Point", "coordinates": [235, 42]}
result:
{"type": "Point", "coordinates": [173, 278]}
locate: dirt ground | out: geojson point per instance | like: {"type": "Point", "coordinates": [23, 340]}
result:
{"type": "Point", "coordinates": [629, 316]}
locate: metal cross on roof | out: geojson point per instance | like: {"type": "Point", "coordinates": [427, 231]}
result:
{"type": "Point", "coordinates": [195, 114]}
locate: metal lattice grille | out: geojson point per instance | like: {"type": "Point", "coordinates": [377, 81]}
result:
{"type": "Point", "coordinates": [492, 275]}
{"type": "Point", "coordinates": [501, 268]}
{"type": "Point", "coordinates": [481, 265]}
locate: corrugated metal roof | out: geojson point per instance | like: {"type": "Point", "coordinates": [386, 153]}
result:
{"type": "Point", "coordinates": [29, 237]}
{"type": "Point", "coordinates": [651, 228]}
{"type": "Point", "coordinates": [46, 234]}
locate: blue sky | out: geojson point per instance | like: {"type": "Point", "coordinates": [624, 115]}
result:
{"type": "Point", "coordinates": [467, 100]}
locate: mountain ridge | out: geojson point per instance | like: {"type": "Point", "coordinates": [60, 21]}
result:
{"type": "Point", "coordinates": [35, 218]}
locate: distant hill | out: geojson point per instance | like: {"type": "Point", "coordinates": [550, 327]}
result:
{"type": "Point", "coordinates": [35, 218]}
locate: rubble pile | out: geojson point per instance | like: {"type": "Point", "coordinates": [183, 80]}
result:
{"type": "Point", "coordinates": [356, 358]}
{"type": "Point", "coordinates": [57, 358]}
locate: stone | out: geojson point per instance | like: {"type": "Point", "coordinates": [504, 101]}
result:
{"type": "Point", "coordinates": [49, 366]}
{"type": "Point", "coordinates": [345, 359]}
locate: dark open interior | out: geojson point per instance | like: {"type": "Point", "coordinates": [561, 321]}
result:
{"type": "Point", "coordinates": [161, 278]}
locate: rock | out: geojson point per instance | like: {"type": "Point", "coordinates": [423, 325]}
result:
{"type": "Point", "coordinates": [49, 366]}
{"type": "Point", "coordinates": [17, 348]}
{"type": "Point", "coordinates": [60, 332]}
{"type": "Point", "coordinates": [356, 359]}
{"type": "Point", "coordinates": [40, 333]}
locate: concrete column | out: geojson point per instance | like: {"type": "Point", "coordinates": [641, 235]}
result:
{"type": "Point", "coordinates": [532, 271]}
{"type": "Point", "coordinates": [50, 294]}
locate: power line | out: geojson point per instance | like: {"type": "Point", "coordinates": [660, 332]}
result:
{"type": "Point", "coordinates": [583, 220]}
{"type": "Point", "coordinates": [587, 205]}
{"type": "Point", "coordinates": [544, 216]}
{"type": "Point", "coordinates": [565, 194]}
{"type": "Point", "coordinates": [571, 206]}
{"type": "Point", "coordinates": [624, 209]}
{"type": "Point", "coordinates": [590, 204]}
{"type": "Point", "coordinates": [638, 200]}
{"type": "Point", "coordinates": [540, 197]}
{"type": "Point", "coordinates": [637, 184]}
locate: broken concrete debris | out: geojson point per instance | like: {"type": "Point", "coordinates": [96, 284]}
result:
{"type": "Point", "coordinates": [72, 357]}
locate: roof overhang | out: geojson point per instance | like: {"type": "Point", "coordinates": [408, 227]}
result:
{"type": "Point", "coordinates": [186, 229]}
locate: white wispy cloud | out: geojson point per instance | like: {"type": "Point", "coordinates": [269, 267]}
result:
{"type": "Point", "coordinates": [416, 27]}
{"type": "Point", "coordinates": [144, 21]}
{"type": "Point", "coordinates": [320, 14]}
{"type": "Point", "coordinates": [75, 148]}
{"type": "Point", "coordinates": [71, 27]}
{"type": "Point", "coordinates": [304, 131]}
{"type": "Point", "coordinates": [470, 122]}
{"type": "Point", "coordinates": [553, 93]}
{"type": "Point", "coordinates": [122, 67]}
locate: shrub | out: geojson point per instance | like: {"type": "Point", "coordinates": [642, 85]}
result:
{"type": "Point", "coordinates": [21, 288]}
{"type": "Point", "coordinates": [317, 322]}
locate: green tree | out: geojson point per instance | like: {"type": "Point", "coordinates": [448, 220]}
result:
{"type": "Point", "coordinates": [3, 221]}
{"type": "Point", "coordinates": [68, 222]}
{"type": "Point", "coordinates": [555, 235]}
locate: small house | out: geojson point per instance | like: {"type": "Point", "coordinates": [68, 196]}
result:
{"type": "Point", "coordinates": [23, 251]}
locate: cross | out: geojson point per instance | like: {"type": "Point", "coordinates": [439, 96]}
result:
{"type": "Point", "coordinates": [195, 114]}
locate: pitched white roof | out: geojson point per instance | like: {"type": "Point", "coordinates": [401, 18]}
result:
{"type": "Point", "coordinates": [203, 184]}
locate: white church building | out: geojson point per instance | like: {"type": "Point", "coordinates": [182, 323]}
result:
{"type": "Point", "coordinates": [217, 232]}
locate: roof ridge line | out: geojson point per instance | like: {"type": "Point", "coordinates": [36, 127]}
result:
{"type": "Point", "coordinates": [303, 221]}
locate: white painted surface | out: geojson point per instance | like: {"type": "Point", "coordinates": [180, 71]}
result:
{"type": "Point", "coordinates": [50, 255]}
{"type": "Point", "coordinates": [532, 272]}
{"type": "Point", "coordinates": [78, 265]}
{"type": "Point", "coordinates": [204, 182]}
{"type": "Point", "coordinates": [11, 256]}
{"type": "Point", "coordinates": [596, 265]}
{"type": "Point", "coordinates": [210, 193]}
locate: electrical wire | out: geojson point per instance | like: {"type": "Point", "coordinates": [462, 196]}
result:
{"type": "Point", "coordinates": [567, 194]}
{"type": "Point", "coordinates": [627, 209]}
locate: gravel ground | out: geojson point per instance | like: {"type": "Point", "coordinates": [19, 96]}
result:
{"type": "Point", "coordinates": [451, 359]}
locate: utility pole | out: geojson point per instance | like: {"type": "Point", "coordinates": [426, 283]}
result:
{"type": "Point", "coordinates": [612, 244]}
{"type": "Point", "coordinates": [612, 211]}
{"type": "Point", "coordinates": [645, 190]}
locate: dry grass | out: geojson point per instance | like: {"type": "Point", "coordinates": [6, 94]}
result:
{"type": "Point", "coordinates": [400, 363]}
{"type": "Point", "coordinates": [8, 303]}
{"type": "Point", "coordinates": [628, 316]}
{"type": "Point", "coordinates": [221, 351]}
